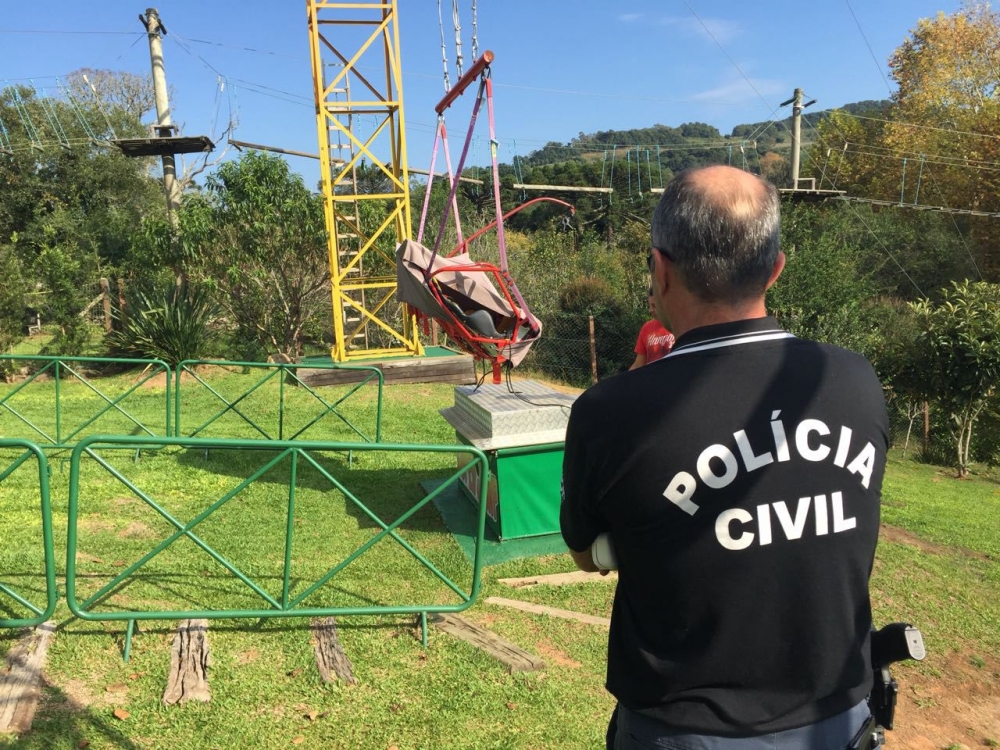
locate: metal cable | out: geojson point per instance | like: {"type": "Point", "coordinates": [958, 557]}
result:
{"type": "Point", "coordinates": [475, 33]}
{"type": "Point", "coordinates": [457, 23]}
{"type": "Point", "coordinates": [444, 51]}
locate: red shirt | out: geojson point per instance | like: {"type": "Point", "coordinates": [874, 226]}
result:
{"type": "Point", "coordinates": [655, 341]}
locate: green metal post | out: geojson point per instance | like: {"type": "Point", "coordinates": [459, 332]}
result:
{"type": "Point", "coordinates": [281, 404]}
{"type": "Point", "coordinates": [58, 407]}
{"type": "Point", "coordinates": [48, 550]}
{"type": "Point", "coordinates": [129, 631]}
{"type": "Point", "coordinates": [289, 526]}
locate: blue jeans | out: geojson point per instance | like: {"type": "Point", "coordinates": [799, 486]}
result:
{"type": "Point", "coordinates": [632, 731]}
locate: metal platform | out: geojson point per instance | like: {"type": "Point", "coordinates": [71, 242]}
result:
{"type": "Point", "coordinates": [491, 417]}
{"type": "Point", "coordinates": [164, 145]}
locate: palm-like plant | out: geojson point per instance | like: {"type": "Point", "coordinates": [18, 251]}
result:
{"type": "Point", "coordinates": [166, 321]}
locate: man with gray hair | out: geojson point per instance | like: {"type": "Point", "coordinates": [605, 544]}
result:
{"type": "Point", "coordinates": [738, 480]}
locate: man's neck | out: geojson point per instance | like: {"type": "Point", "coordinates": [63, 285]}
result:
{"type": "Point", "coordinates": [699, 314]}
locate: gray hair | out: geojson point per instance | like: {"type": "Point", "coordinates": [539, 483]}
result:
{"type": "Point", "coordinates": [723, 242]}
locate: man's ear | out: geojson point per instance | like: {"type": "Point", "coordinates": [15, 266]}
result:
{"type": "Point", "coordinates": [779, 266]}
{"type": "Point", "coordinates": [662, 273]}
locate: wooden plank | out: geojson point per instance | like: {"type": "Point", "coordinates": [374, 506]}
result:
{"type": "Point", "coordinates": [563, 188]}
{"type": "Point", "coordinates": [21, 679]}
{"type": "Point", "coordinates": [189, 659]}
{"type": "Point", "coordinates": [332, 662]}
{"type": "Point", "coordinates": [513, 657]}
{"type": "Point", "coordinates": [559, 579]}
{"type": "Point", "coordinates": [452, 369]}
{"type": "Point", "coordinates": [425, 173]}
{"type": "Point", "coordinates": [541, 609]}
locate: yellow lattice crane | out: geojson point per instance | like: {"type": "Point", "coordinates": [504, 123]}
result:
{"type": "Point", "coordinates": [358, 88]}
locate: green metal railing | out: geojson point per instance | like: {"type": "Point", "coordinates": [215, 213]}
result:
{"type": "Point", "coordinates": [41, 612]}
{"type": "Point", "coordinates": [299, 453]}
{"type": "Point", "coordinates": [282, 374]}
{"type": "Point", "coordinates": [63, 426]}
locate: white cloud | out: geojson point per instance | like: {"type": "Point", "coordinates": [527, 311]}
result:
{"type": "Point", "coordinates": [739, 90]}
{"type": "Point", "coordinates": [719, 29]}
{"type": "Point", "coordinates": [629, 17]}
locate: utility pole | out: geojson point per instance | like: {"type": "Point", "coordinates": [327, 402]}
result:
{"type": "Point", "coordinates": [797, 107]}
{"type": "Point", "coordinates": [164, 128]}
{"type": "Point", "coordinates": [796, 135]}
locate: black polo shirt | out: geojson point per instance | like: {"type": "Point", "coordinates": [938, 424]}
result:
{"type": "Point", "coordinates": [739, 478]}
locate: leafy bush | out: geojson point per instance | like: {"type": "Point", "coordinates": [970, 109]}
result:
{"type": "Point", "coordinates": [565, 348]}
{"type": "Point", "coordinates": [12, 300]}
{"type": "Point", "coordinates": [165, 321]}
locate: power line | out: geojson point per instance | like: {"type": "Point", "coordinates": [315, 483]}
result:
{"type": "Point", "coordinates": [808, 155]}
{"type": "Point", "coordinates": [65, 31]}
{"type": "Point", "coordinates": [868, 44]}
{"type": "Point", "coordinates": [922, 127]}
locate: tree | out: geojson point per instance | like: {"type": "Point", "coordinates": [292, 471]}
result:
{"type": "Point", "coordinates": [946, 114]}
{"type": "Point", "coordinates": [12, 299]}
{"type": "Point", "coordinates": [70, 206]}
{"type": "Point", "coordinates": [958, 352]}
{"type": "Point", "coordinates": [113, 89]}
{"type": "Point", "coordinates": [263, 247]}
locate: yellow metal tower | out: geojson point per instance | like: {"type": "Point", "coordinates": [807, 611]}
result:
{"type": "Point", "coordinates": [358, 87]}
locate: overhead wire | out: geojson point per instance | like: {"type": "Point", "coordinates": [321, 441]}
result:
{"type": "Point", "coordinates": [65, 31]}
{"type": "Point", "coordinates": [761, 97]}
{"type": "Point", "coordinates": [868, 44]}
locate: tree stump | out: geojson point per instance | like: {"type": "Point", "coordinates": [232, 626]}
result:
{"type": "Point", "coordinates": [332, 662]}
{"type": "Point", "coordinates": [21, 679]}
{"type": "Point", "coordinates": [189, 661]}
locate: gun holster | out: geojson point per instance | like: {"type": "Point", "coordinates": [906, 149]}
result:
{"type": "Point", "coordinates": [868, 737]}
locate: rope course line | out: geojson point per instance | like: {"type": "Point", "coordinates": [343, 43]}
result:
{"type": "Point", "coordinates": [961, 236]}
{"type": "Point", "coordinates": [25, 117]}
{"type": "Point", "coordinates": [921, 127]}
{"type": "Point", "coordinates": [5, 144]}
{"type": "Point", "coordinates": [48, 109]}
{"type": "Point", "coordinates": [100, 105]}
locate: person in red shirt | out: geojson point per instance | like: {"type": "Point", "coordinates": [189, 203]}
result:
{"type": "Point", "coordinates": [655, 341]}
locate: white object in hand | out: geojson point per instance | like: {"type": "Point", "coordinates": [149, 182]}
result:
{"type": "Point", "coordinates": [602, 552]}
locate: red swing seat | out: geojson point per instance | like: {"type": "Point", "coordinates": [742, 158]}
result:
{"type": "Point", "coordinates": [477, 304]}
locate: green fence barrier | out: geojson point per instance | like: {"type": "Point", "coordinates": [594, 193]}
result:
{"type": "Point", "coordinates": [293, 499]}
{"type": "Point", "coordinates": [61, 404]}
{"type": "Point", "coordinates": [260, 410]}
{"type": "Point", "coordinates": [17, 550]}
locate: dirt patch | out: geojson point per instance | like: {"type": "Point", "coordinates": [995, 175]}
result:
{"type": "Point", "coordinates": [159, 380]}
{"type": "Point", "coordinates": [126, 501]}
{"type": "Point", "coordinates": [902, 536]}
{"type": "Point", "coordinates": [71, 697]}
{"type": "Point", "coordinates": [94, 523]}
{"type": "Point", "coordinates": [552, 655]}
{"type": "Point", "coordinates": [248, 657]}
{"type": "Point", "coordinates": [136, 530]}
{"type": "Point", "coordinates": [962, 707]}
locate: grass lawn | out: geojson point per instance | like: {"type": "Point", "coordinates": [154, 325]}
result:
{"type": "Point", "coordinates": [938, 566]}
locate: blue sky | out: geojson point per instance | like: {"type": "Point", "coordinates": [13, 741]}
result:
{"type": "Point", "coordinates": [561, 67]}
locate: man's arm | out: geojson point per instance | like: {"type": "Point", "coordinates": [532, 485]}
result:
{"type": "Point", "coordinates": [640, 360]}
{"type": "Point", "coordinates": [585, 560]}
{"type": "Point", "coordinates": [578, 517]}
